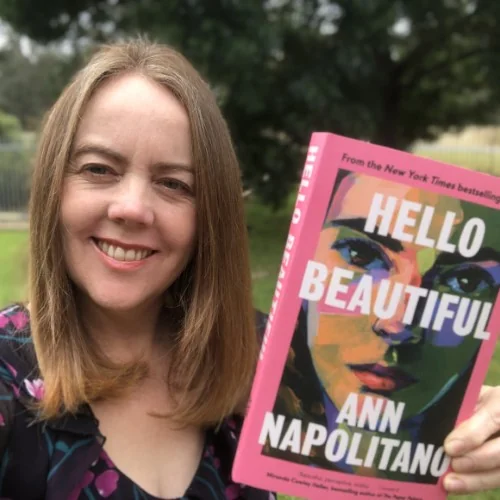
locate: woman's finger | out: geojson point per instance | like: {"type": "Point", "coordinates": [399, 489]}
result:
{"type": "Point", "coordinates": [484, 391]}
{"type": "Point", "coordinates": [469, 483]}
{"type": "Point", "coordinates": [484, 458]}
{"type": "Point", "coordinates": [477, 429]}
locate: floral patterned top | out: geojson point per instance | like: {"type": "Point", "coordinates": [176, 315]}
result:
{"type": "Point", "coordinates": [64, 459]}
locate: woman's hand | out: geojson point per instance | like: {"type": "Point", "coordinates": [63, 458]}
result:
{"type": "Point", "coordinates": [474, 447]}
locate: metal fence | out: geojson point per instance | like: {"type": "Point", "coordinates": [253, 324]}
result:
{"type": "Point", "coordinates": [15, 164]}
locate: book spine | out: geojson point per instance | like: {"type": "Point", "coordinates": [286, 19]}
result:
{"type": "Point", "coordinates": [303, 200]}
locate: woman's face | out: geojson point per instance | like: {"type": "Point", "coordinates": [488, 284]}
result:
{"type": "Point", "coordinates": [128, 205]}
{"type": "Point", "coordinates": [363, 354]}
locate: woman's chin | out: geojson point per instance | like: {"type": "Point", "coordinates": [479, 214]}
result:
{"type": "Point", "coordinates": [120, 304]}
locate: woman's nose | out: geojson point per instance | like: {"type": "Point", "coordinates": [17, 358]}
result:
{"type": "Point", "coordinates": [130, 203]}
{"type": "Point", "coordinates": [394, 330]}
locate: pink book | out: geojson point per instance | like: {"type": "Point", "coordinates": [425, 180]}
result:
{"type": "Point", "coordinates": [381, 329]}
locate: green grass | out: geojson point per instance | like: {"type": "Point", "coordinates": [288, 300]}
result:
{"type": "Point", "coordinates": [13, 264]}
{"type": "Point", "coordinates": [268, 232]}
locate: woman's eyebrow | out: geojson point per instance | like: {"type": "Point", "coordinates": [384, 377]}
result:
{"type": "Point", "coordinates": [358, 224]}
{"type": "Point", "coordinates": [168, 167]}
{"type": "Point", "coordinates": [87, 148]}
{"type": "Point", "coordinates": [115, 156]}
{"type": "Point", "coordinates": [484, 254]}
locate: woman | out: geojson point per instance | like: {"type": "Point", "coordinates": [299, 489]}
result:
{"type": "Point", "coordinates": [126, 375]}
{"type": "Point", "coordinates": [140, 321]}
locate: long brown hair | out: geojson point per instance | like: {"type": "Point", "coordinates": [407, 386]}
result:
{"type": "Point", "coordinates": [214, 354]}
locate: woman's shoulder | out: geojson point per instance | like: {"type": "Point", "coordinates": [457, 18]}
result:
{"type": "Point", "coordinates": [18, 366]}
{"type": "Point", "coordinates": [14, 320]}
{"type": "Point", "coordinates": [14, 365]}
{"type": "Point", "coordinates": [15, 336]}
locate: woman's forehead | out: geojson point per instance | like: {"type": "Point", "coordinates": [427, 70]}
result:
{"type": "Point", "coordinates": [130, 114]}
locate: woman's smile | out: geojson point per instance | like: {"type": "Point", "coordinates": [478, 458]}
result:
{"type": "Point", "coordinates": [121, 256]}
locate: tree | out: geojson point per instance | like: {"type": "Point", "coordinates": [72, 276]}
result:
{"type": "Point", "coordinates": [10, 127]}
{"type": "Point", "coordinates": [387, 71]}
{"type": "Point", "coordinates": [29, 85]}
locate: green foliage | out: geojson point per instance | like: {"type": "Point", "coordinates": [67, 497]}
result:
{"type": "Point", "coordinates": [44, 21]}
{"type": "Point", "coordinates": [29, 85]}
{"type": "Point", "coordinates": [387, 71]}
{"type": "Point", "coordinates": [10, 127]}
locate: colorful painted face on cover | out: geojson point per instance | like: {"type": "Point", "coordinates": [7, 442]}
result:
{"type": "Point", "coordinates": [360, 353]}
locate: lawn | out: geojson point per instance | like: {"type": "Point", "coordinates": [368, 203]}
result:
{"type": "Point", "coordinates": [13, 265]}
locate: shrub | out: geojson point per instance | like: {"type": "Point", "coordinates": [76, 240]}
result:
{"type": "Point", "coordinates": [10, 127]}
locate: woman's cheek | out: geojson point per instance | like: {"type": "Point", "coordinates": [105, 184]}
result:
{"type": "Point", "coordinates": [353, 338]}
{"type": "Point", "coordinates": [324, 252]}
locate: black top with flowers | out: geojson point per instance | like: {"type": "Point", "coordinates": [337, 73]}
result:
{"type": "Point", "coordinates": [63, 459]}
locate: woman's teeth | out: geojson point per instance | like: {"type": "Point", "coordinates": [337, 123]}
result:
{"type": "Point", "coordinates": [119, 253]}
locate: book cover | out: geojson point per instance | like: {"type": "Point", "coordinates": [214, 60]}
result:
{"type": "Point", "coordinates": [383, 322]}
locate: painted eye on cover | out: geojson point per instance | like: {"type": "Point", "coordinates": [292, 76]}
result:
{"type": "Point", "coordinates": [468, 280]}
{"type": "Point", "coordinates": [362, 253]}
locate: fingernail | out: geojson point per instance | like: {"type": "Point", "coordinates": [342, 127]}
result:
{"type": "Point", "coordinates": [454, 447]}
{"type": "Point", "coordinates": [454, 484]}
{"type": "Point", "coordinates": [463, 464]}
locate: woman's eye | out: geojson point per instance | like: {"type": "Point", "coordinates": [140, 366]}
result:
{"type": "Point", "coordinates": [175, 185]}
{"type": "Point", "coordinates": [361, 253]}
{"type": "Point", "coordinates": [97, 170]}
{"type": "Point", "coordinates": [468, 280]}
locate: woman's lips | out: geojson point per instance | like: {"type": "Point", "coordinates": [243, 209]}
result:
{"type": "Point", "coordinates": [382, 379]}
